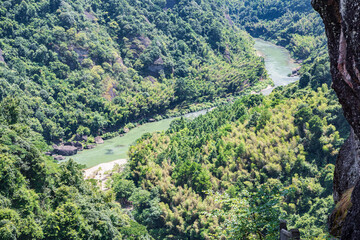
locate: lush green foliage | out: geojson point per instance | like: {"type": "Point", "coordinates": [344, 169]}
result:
{"type": "Point", "coordinates": [289, 139]}
{"type": "Point", "coordinates": [87, 67]}
{"type": "Point", "coordinates": [251, 215]}
{"type": "Point", "coordinates": [293, 24]}
{"type": "Point", "coordinates": [40, 199]}
{"type": "Point", "coordinates": [92, 66]}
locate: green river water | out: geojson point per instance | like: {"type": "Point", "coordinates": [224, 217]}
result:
{"type": "Point", "coordinates": [116, 148]}
{"type": "Point", "coordinates": [278, 64]}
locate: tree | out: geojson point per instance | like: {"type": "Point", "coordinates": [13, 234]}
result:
{"type": "Point", "coordinates": [302, 116]}
{"type": "Point", "coordinates": [10, 110]}
{"type": "Point", "coordinates": [192, 174]}
{"type": "Point", "coordinates": [215, 35]}
{"type": "Point", "coordinates": [54, 4]}
{"type": "Point", "coordinates": [251, 214]}
{"type": "Point", "coordinates": [316, 126]}
{"type": "Point", "coordinates": [65, 222]}
{"type": "Point", "coordinates": [123, 188]}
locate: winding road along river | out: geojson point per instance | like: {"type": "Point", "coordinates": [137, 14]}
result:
{"type": "Point", "coordinates": [278, 64]}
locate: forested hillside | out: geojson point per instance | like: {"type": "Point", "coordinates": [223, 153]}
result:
{"type": "Point", "coordinates": [291, 24]}
{"type": "Point", "coordinates": [288, 140]}
{"type": "Point", "coordinates": [90, 66]}
{"type": "Point", "coordinates": [40, 199]}
{"type": "Point", "coordinates": [86, 67]}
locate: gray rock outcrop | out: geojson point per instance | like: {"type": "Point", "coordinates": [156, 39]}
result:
{"type": "Point", "coordinates": [90, 146]}
{"type": "Point", "coordinates": [99, 140]}
{"type": "Point", "coordinates": [65, 150]}
{"type": "Point", "coordinates": [79, 146]}
{"type": "Point", "coordinates": [58, 157]}
{"type": "Point", "coordinates": [81, 137]}
{"type": "Point", "coordinates": [347, 167]}
{"type": "Point", "coordinates": [342, 24]}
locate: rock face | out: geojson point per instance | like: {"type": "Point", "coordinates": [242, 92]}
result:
{"type": "Point", "coordinates": [1, 56]}
{"type": "Point", "coordinates": [347, 167]}
{"type": "Point", "coordinates": [342, 24]}
{"type": "Point", "coordinates": [99, 140]}
{"type": "Point", "coordinates": [351, 227]}
{"type": "Point", "coordinates": [65, 150]}
{"type": "Point", "coordinates": [157, 66]}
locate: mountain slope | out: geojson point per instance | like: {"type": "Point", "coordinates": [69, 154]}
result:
{"type": "Point", "coordinates": [288, 140]}
{"type": "Point", "coordinates": [91, 66]}
{"type": "Point", "coordinates": [40, 199]}
{"type": "Point", "coordinates": [291, 24]}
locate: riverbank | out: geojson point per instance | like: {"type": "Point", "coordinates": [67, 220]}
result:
{"type": "Point", "coordinates": [77, 144]}
{"type": "Point", "coordinates": [104, 171]}
{"type": "Point", "coordinates": [117, 147]}
{"type": "Point", "coordinates": [278, 64]}
{"type": "Point", "coordinates": [114, 145]}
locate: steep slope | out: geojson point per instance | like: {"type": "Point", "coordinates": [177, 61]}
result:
{"type": "Point", "coordinates": [87, 67]}
{"type": "Point", "coordinates": [41, 200]}
{"type": "Point", "coordinates": [341, 19]}
{"type": "Point", "coordinates": [91, 66]}
{"type": "Point", "coordinates": [287, 140]}
{"type": "Point", "coordinates": [292, 24]}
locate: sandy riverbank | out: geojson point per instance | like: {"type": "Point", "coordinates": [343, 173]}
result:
{"type": "Point", "coordinates": [269, 87]}
{"type": "Point", "coordinates": [103, 171]}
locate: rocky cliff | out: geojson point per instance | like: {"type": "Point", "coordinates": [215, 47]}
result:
{"type": "Point", "coordinates": [342, 23]}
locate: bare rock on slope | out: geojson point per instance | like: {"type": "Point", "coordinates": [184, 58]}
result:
{"type": "Point", "coordinates": [99, 140]}
{"type": "Point", "coordinates": [347, 167]}
{"type": "Point", "coordinates": [342, 24]}
{"type": "Point", "coordinates": [65, 150]}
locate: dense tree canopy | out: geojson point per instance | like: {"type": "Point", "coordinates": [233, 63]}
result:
{"type": "Point", "coordinates": [90, 67]}
{"type": "Point", "coordinates": [288, 140]}
{"type": "Point", "coordinates": [42, 200]}
{"type": "Point", "coordinates": [97, 65]}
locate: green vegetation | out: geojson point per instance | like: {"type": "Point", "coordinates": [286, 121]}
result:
{"type": "Point", "coordinates": [292, 24]}
{"type": "Point", "coordinates": [288, 140]}
{"type": "Point", "coordinates": [96, 67]}
{"type": "Point", "coordinates": [251, 214]}
{"type": "Point", "coordinates": [40, 199]}
{"type": "Point", "coordinates": [89, 67]}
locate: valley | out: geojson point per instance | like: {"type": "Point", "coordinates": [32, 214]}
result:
{"type": "Point", "coordinates": [278, 65]}
{"type": "Point", "coordinates": [117, 148]}
{"type": "Point", "coordinates": [262, 143]}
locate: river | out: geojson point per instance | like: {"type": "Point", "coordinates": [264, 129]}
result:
{"type": "Point", "coordinates": [117, 148]}
{"type": "Point", "coordinates": [278, 64]}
